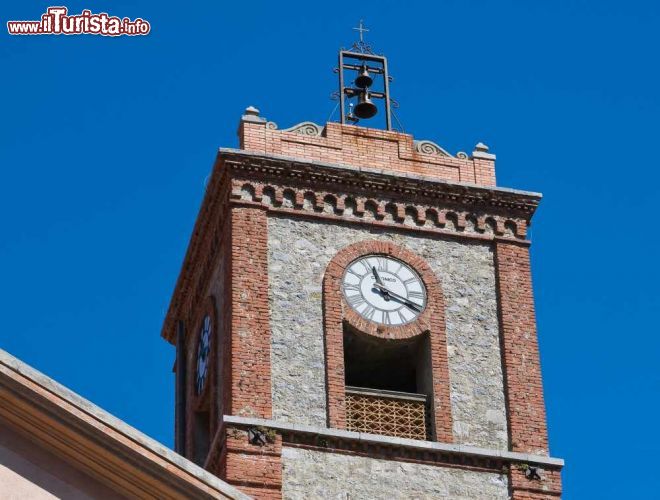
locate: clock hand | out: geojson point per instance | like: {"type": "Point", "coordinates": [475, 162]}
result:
{"type": "Point", "coordinates": [378, 280]}
{"type": "Point", "coordinates": [406, 301]}
{"type": "Point", "coordinates": [384, 291]}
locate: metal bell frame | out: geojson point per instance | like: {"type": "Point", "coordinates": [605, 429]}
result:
{"type": "Point", "coordinates": [365, 65]}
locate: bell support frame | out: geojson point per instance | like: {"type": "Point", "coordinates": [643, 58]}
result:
{"type": "Point", "coordinates": [346, 62]}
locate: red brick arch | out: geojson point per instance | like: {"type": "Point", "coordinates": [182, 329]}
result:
{"type": "Point", "coordinates": [336, 312]}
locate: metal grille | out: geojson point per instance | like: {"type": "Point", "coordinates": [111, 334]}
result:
{"type": "Point", "coordinates": [387, 412]}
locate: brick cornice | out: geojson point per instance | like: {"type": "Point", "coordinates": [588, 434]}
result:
{"type": "Point", "coordinates": [346, 177]}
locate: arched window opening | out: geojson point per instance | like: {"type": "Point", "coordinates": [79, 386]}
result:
{"type": "Point", "coordinates": [388, 385]}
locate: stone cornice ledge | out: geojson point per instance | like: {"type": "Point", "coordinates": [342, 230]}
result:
{"type": "Point", "coordinates": [528, 199]}
{"type": "Point", "coordinates": [375, 439]}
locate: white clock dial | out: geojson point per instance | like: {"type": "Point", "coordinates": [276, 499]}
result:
{"type": "Point", "coordinates": [384, 290]}
{"type": "Point", "coordinates": [203, 349]}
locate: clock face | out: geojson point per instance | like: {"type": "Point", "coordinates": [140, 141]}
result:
{"type": "Point", "coordinates": [384, 290]}
{"type": "Point", "coordinates": [203, 349]}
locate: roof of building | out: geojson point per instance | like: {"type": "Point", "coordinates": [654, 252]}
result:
{"type": "Point", "coordinates": [97, 443]}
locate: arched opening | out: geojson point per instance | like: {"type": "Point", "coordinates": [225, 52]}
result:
{"type": "Point", "coordinates": [372, 368]}
{"type": "Point", "coordinates": [389, 385]}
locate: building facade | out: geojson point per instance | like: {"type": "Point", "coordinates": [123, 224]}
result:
{"type": "Point", "coordinates": [354, 318]}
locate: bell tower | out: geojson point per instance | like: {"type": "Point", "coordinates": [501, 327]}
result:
{"type": "Point", "coordinates": [354, 316]}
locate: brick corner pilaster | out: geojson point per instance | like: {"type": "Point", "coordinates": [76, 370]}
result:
{"type": "Point", "coordinates": [251, 393]}
{"type": "Point", "coordinates": [522, 369]}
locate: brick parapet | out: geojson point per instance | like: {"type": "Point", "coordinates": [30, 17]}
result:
{"type": "Point", "coordinates": [364, 147]}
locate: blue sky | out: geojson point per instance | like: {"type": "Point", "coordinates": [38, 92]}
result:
{"type": "Point", "coordinates": [106, 143]}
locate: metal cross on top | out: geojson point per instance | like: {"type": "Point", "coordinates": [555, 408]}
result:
{"type": "Point", "coordinates": [358, 70]}
{"type": "Point", "coordinates": [361, 45]}
{"type": "Point", "coordinates": [362, 30]}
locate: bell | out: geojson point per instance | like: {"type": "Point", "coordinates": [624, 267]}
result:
{"type": "Point", "coordinates": [364, 79]}
{"type": "Point", "coordinates": [365, 108]}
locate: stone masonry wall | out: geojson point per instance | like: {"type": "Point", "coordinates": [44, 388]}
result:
{"type": "Point", "coordinates": [320, 474]}
{"type": "Point", "coordinates": [298, 253]}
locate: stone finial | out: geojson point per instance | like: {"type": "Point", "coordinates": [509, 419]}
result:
{"type": "Point", "coordinates": [251, 114]}
{"type": "Point", "coordinates": [481, 151]}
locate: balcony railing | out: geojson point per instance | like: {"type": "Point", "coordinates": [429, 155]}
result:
{"type": "Point", "coordinates": [391, 413]}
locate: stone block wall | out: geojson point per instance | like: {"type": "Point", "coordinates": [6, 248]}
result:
{"type": "Point", "coordinates": [298, 253]}
{"type": "Point", "coordinates": [318, 474]}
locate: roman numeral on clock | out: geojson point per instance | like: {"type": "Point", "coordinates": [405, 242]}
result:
{"type": "Point", "coordinates": [416, 295]}
{"type": "Point", "coordinates": [366, 265]}
{"type": "Point", "coordinates": [356, 300]}
{"type": "Point", "coordinates": [350, 270]}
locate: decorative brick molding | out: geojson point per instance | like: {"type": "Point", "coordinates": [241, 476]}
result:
{"type": "Point", "coordinates": [361, 194]}
{"type": "Point", "coordinates": [395, 152]}
{"type": "Point", "coordinates": [336, 313]}
{"type": "Point", "coordinates": [380, 212]}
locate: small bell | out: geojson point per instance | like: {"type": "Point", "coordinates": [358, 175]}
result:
{"type": "Point", "coordinates": [364, 79]}
{"type": "Point", "coordinates": [365, 108]}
